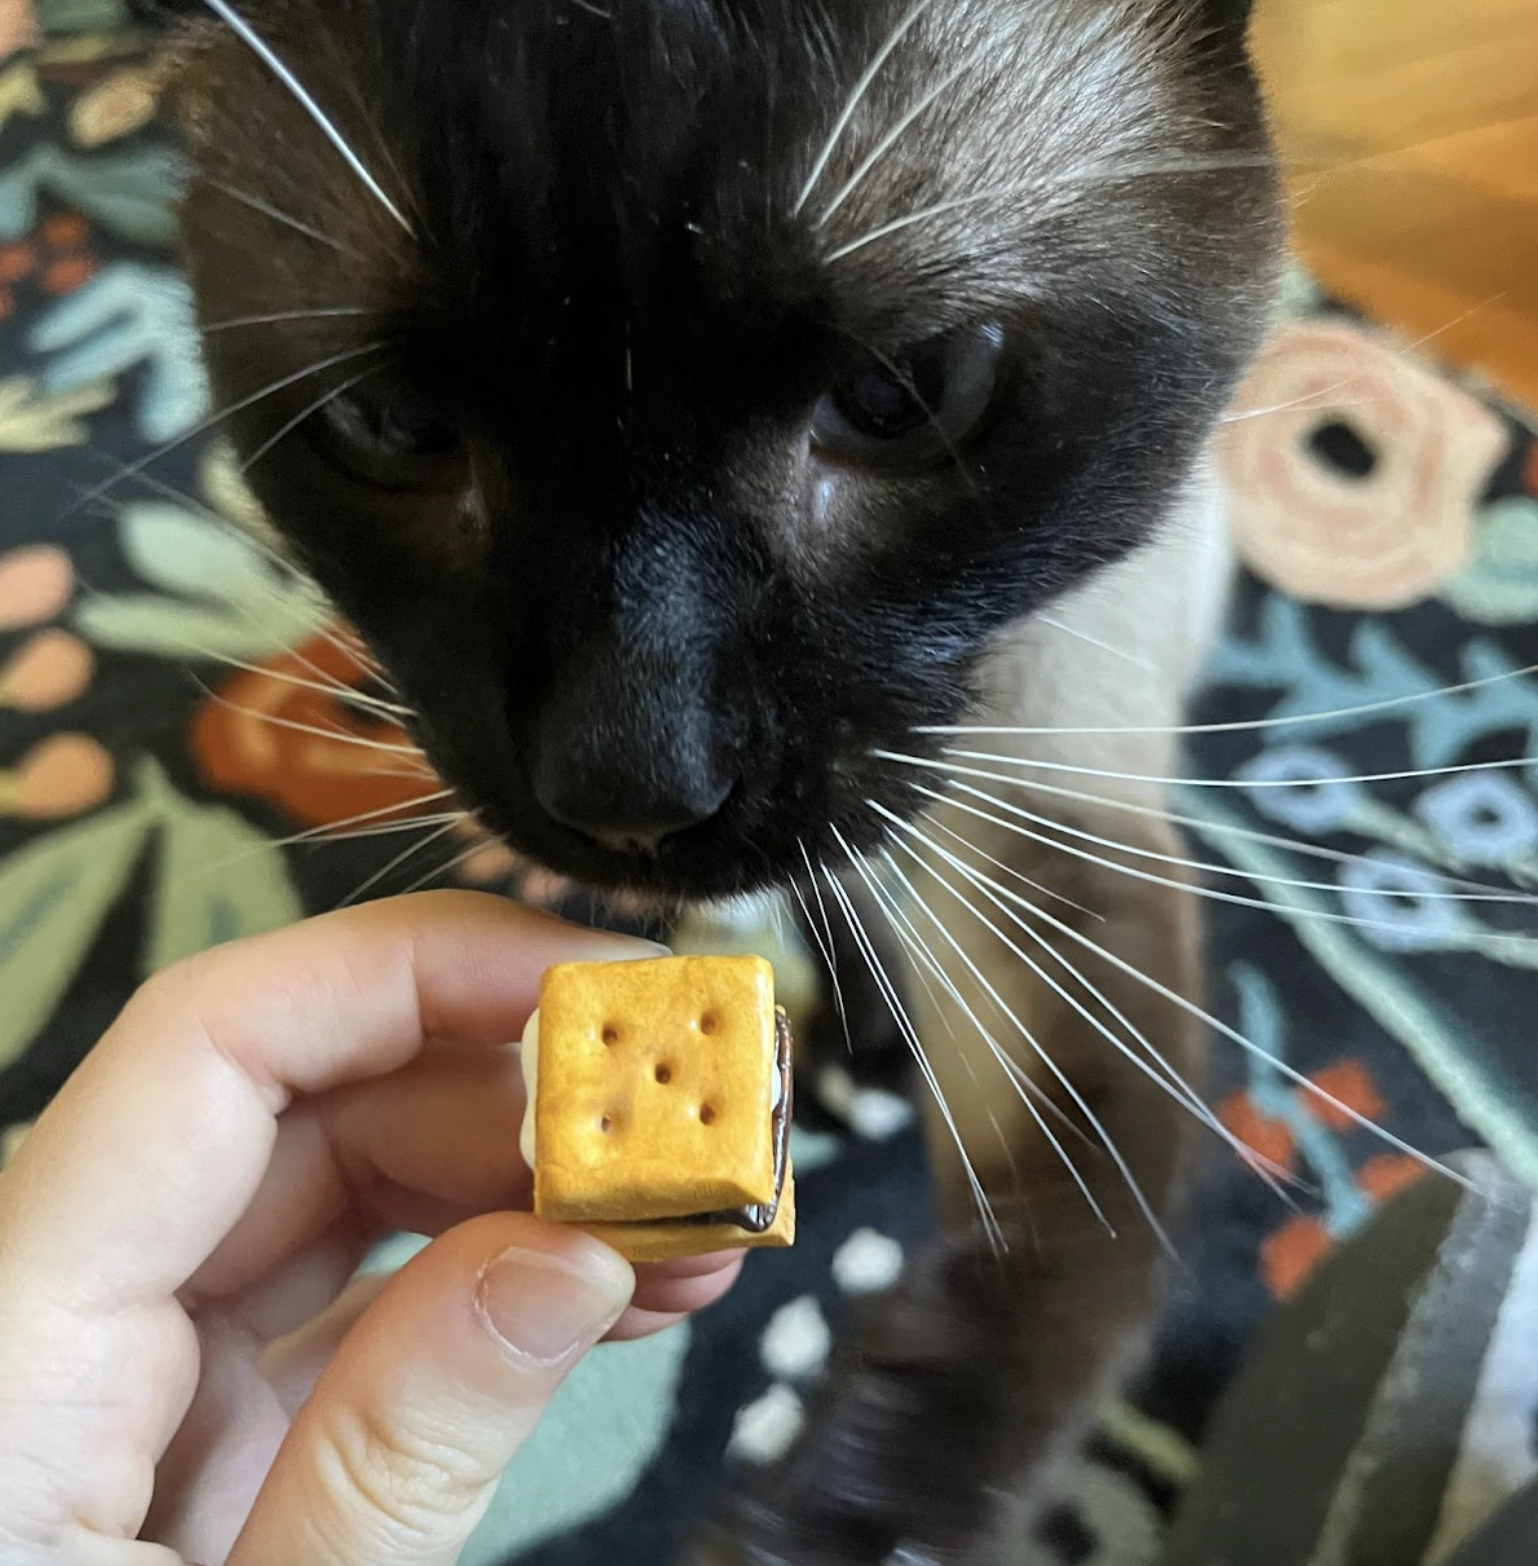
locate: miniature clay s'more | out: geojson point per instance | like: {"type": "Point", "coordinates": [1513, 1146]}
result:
{"type": "Point", "coordinates": [659, 1105]}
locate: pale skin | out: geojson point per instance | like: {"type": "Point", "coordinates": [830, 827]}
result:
{"type": "Point", "coordinates": [186, 1372]}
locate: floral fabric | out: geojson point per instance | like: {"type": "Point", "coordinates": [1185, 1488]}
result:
{"type": "Point", "coordinates": [181, 722]}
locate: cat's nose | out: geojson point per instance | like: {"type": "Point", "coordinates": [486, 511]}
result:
{"type": "Point", "coordinates": [627, 752]}
{"type": "Point", "coordinates": [627, 818]}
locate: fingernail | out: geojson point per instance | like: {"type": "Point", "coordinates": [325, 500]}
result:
{"type": "Point", "coordinates": [546, 1308]}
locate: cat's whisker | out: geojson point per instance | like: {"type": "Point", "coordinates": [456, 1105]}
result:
{"type": "Point", "coordinates": [1197, 163]}
{"type": "Point", "coordinates": [1013, 1066]}
{"type": "Point", "coordinates": [1019, 875]}
{"type": "Point", "coordinates": [1517, 899]}
{"type": "Point", "coordinates": [342, 831]}
{"type": "Point", "coordinates": [920, 957]}
{"type": "Point", "coordinates": [1243, 726]}
{"type": "Point", "coordinates": [904, 26]}
{"type": "Point", "coordinates": [214, 420]}
{"type": "Point", "coordinates": [1210, 894]}
{"type": "Point", "coordinates": [922, 215]}
{"type": "Point", "coordinates": [903, 928]}
{"type": "Point", "coordinates": [905, 380]}
{"type": "Point", "coordinates": [1197, 824]}
{"type": "Point", "coordinates": [323, 684]}
{"type": "Point", "coordinates": [282, 217]}
{"type": "Point", "coordinates": [347, 695]}
{"type": "Point", "coordinates": [444, 869]}
{"type": "Point", "coordinates": [893, 999]}
{"type": "Point", "coordinates": [1035, 763]}
{"type": "Point", "coordinates": [330, 833]}
{"type": "Point", "coordinates": [306, 101]}
{"type": "Point", "coordinates": [893, 136]}
{"type": "Point", "coordinates": [1201, 1014]}
{"type": "Point", "coordinates": [404, 857]}
{"type": "Point", "coordinates": [304, 415]}
{"type": "Point", "coordinates": [1166, 1077]}
{"type": "Point", "coordinates": [827, 944]}
{"type": "Point", "coordinates": [1092, 641]}
{"type": "Point", "coordinates": [340, 735]}
{"type": "Point", "coordinates": [1324, 395]}
{"type": "Point", "coordinates": [283, 317]}
{"type": "Point", "coordinates": [392, 829]}
{"type": "Point", "coordinates": [921, 950]}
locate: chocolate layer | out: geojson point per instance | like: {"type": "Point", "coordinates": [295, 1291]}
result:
{"type": "Point", "coordinates": [760, 1219]}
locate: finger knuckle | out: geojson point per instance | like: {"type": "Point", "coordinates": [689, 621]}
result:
{"type": "Point", "coordinates": [412, 1478]}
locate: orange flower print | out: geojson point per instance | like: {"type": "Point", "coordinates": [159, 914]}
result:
{"type": "Point", "coordinates": [48, 670]}
{"type": "Point", "coordinates": [1350, 1084]}
{"type": "Point", "coordinates": [1289, 1256]}
{"type": "Point", "coordinates": [286, 733]}
{"type": "Point", "coordinates": [64, 775]}
{"type": "Point", "coordinates": [36, 583]}
{"type": "Point", "coordinates": [18, 27]}
{"type": "Point", "coordinates": [1267, 1138]}
{"type": "Point", "coordinates": [1384, 1177]}
{"type": "Point", "coordinates": [1353, 471]}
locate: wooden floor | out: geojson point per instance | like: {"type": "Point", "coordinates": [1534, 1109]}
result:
{"type": "Point", "coordinates": [1410, 128]}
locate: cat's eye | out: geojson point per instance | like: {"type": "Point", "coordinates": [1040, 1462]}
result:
{"type": "Point", "coordinates": [391, 437]}
{"type": "Point", "coordinates": [913, 409]}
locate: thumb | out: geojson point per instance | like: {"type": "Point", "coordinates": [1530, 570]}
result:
{"type": "Point", "coordinates": [396, 1454]}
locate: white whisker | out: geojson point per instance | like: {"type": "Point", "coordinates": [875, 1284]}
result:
{"type": "Point", "coordinates": [829, 950]}
{"type": "Point", "coordinates": [1088, 640]}
{"type": "Point", "coordinates": [1256, 878]}
{"type": "Point", "coordinates": [920, 949]}
{"type": "Point", "coordinates": [270, 58]}
{"type": "Point", "coordinates": [922, 215]}
{"type": "Point", "coordinates": [1190, 1007]}
{"type": "Point", "coordinates": [991, 1227]}
{"type": "Point", "coordinates": [279, 317]}
{"type": "Point", "coordinates": [1166, 1077]}
{"type": "Point", "coordinates": [1011, 1066]}
{"type": "Point", "coordinates": [305, 414]}
{"type": "Point", "coordinates": [856, 98]}
{"type": "Point", "coordinates": [340, 831]}
{"type": "Point", "coordinates": [135, 468]}
{"type": "Point", "coordinates": [387, 870]}
{"type": "Point", "coordinates": [348, 695]}
{"type": "Point", "coordinates": [283, 218]}
{"type": "Point", "coordinates": [444, 869]}
{"type": "Point", "coordinates": [893, 136]}
{"type": "Point", "coordinates": [341, 736]}
{"type": "Point", "coordinates": [1194, 823]}
{"type": "Point", "coordinates": [1245, 726]}
{"type": "Point", "coordinates": [1211, 894]}
{"type": "Point", "coordinates": [1030, 763]}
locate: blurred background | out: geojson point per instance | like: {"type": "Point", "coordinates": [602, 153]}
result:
{"type": "Point", "coordinates": [1411, 130]}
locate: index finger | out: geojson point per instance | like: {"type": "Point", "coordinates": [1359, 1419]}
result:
{"type": "Point", "coordinates": [158, 1144]}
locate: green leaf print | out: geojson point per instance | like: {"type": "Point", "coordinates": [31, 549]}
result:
{"type": "Point", "coordinates": [55, 895]}
{"type": "Point", "coordinates": [219, 879]}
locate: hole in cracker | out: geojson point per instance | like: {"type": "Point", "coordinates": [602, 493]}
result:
{"type": "Point", "coordinates": [664, 1074]}
{"type": "Point", "coordinates": [708, 1023]}
{"type": "Point", "coordinates": [610, 1034]}
{"type": "Point", "coordinates": [606, 1125]}
{"type": "Point", "coordinates": [707, 1114]}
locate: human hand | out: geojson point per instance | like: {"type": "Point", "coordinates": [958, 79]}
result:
{"type": "Point", "coordinates": [183, 1361]}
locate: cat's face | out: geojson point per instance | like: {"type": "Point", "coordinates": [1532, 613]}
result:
{"type": "Point", "coordinates": [727, 376]}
